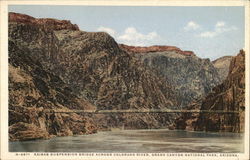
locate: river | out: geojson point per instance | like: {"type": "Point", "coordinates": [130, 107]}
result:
{"type": "Point", "coordinates": [137, 141]}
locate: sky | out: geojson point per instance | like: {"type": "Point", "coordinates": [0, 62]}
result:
{"type": "Point", "coordinates": [211, 32]}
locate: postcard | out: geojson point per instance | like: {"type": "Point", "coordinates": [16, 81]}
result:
{"type": "Point", "coordinates": [124, 80]}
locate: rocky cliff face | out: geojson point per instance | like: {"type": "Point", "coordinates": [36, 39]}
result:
{"type": "Point", "coordinates": [92, 68]}
{"type": "Point", "coordinates": [138, 49]}
{"type": "Point", "coordinates": [192, 76]}
{"type": "Point", "coordinates": [46, 22]}
{"type": "Point", "coordinates": [228, 96]}
{"type": "Point", "coordinates": [222, 64]}
{"type": "Point", "coordinates": [35, 95]}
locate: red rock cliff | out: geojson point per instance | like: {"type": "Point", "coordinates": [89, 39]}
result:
{"type": "Point", "coordinates": [156, 48]}
{"type": "Point", "coordinates": [49, 22]}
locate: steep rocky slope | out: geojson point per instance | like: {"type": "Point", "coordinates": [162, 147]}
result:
{"type": "Point", "coordinates": [228, 96]}
{"type": "Point", "coordinates": [222, 64]}
{"type": "Point", "coordinates": [192, 76]}
{"type": "Point", "coordinates": [94, 69]}
{"type": "Point", "coordinates": [35, 94]}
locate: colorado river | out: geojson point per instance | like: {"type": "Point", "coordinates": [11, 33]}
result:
{"type": "Point", "coordinates": [137, 141]}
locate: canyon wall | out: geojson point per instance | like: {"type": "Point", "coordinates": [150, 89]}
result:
{"type": "Point", "coordinates": [55, 68]}
{"type": "Point", "coordinates": [63, 68]}
{"type": "Point", "coordinates": [35, 94]}
{"type": "Point", "coordinates": [228, 96]}
{"type": "Point", "coordinates": [192, 77]}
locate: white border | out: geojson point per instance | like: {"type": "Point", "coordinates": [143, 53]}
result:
{"type": "Point", "coordinates": [4, 67]}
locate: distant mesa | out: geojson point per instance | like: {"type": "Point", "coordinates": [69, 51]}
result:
{"type": "Point", "coordinates": [155, 48]}
{"type": "Point", "coordinates": [49, 22]}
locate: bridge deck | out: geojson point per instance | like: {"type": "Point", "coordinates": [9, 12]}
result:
{"type": "Point", "coordinates": [146, 111]}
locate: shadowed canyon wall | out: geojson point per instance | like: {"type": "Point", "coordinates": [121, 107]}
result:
{"type": "Point", "coordinates": [193, 77]}
{"type": "Point", "coordinates": [228, 96]}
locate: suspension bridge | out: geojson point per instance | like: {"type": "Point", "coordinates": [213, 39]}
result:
{"type": "Point", "coordinates": [147, 111]}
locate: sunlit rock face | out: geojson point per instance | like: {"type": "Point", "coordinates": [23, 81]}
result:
{"type": "Point", "coordinates": [46, 22]}
{"type": "Point", "coordinates": [139, 49]}
{"type": "Point", "coordinates": [223, 64]}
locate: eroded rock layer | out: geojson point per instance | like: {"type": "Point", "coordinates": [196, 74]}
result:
{"type": "Point", "coordinates": [47, 22]}
{"type": "Point", "coordinates": [138, 49]}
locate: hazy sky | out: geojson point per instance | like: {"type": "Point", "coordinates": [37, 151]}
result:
{"type": "Point", "coordinates": [210, 32]}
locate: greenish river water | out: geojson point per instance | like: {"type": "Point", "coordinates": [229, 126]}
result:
{"type": "Point", "coordinates": [137, 141]}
